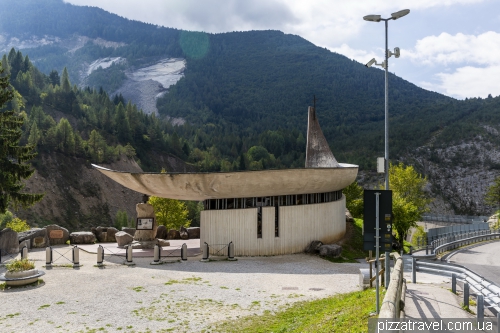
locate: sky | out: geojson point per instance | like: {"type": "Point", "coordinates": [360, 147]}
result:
{"type": "Point", "coordinates": [448, 46]}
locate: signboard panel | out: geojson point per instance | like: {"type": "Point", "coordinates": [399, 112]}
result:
{"type": "Point", "coordinates": [56, 234]}
{"type": "Point", "coordinates": [145, 223]}
{"type": "Point", "coordinates": [385, 220]}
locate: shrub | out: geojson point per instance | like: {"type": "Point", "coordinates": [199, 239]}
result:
{"type": "Point", "coordinates": [18, 225]}
{"type": "Point", "coordinates": [19, 265]}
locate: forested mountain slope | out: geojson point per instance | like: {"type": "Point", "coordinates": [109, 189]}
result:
{"type": "Point", "coordinates": [244, 97]}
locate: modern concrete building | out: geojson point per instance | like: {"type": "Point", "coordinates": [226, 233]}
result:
{"type": "Point", "coordinates": [265, 212]}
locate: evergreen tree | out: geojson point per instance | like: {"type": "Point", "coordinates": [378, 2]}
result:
{"type": "Point", "coordinates": [14, 166]}
{"type": "Point", "coordinates": [65, 84]}
{"type": "Point", "coordinates": [492, 196]}
{"type": "Point", "coordinates": [54, 78]}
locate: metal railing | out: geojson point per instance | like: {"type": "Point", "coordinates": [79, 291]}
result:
{"type": "Point", "coordinates": [455, 241]}
{"type": "Point", "coordinates": [436, 233]}
{"type": "Point", "coordinates": [454, 218]}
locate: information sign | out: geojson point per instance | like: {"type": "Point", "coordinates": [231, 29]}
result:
{"type": "Point", "coordinates": [145, 223]}
{"type": "Point", "coordinates": [385, 220]}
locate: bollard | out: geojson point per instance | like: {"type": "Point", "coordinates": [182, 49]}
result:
{"type": "Point", "coordinates": [466, 295]}
{"type": "Point", "coordinates": [157, 253]}
{"type": "Point", "coordinates": [76, 256]}
{"type": "Point", "coordinates": [480, 308]}
{"type": "Point", "coordinates": [230, 251]}
{"type": "Point", "coordinates": [498, 322]}
{"type": "Point", "coordinates": [426, 249]}
{"type": "Point", "coordinates": [24, 253]}
{"type": "Point", "coordinates": [205, 252]}
{"type": "Point", "coordinates": [48, 256]}
{"type": "Point", "coordinates": [413, 270]}
{"type": "Point", "coordinates": [387, 269]}
{"type": "Point", "coordinates": [100, 256]}
{"type": "Point", "coordinates": [184, 252]}
{"type": "Point", "coordinates": [129, 260]}
{"type": "Point", "coordinates": [411, 250]}
{"type": "Point", "coordinates": [454, 283]}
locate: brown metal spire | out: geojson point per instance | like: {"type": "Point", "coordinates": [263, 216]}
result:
{"type": "Point", "coordinates": [318, 153]}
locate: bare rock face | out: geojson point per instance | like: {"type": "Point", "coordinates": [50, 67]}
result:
{"type": "Point", "coordinates": [57, 235]}
{"type": "Point", "coordinates": [144, 211]}
{"type": "Point", "coordinates": [123, 238]}
{"type": "Point", "coordinates": [37, 237]}
{"type": "Point", "coordinates": [161, 232]}
{"type": "Point", "coordinates": [313, 247]}
{"type": "Point", "coordinates": [184, 233]}
{"type": "Point", "coordinates": [193, 232]}
{"type": "Point", "coordinates": [8, 241]}
{"type": "Point", "coordinates": [105, 234]}
{"type": "Point", "coordinates": [331, 250]}
{"type": "Point", "coordinates": [82, 237]}
{"type": "Point", "coordinates": [173, 234]}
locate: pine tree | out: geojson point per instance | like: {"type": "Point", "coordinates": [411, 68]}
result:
{"type": "Point", "coordinates": [65, 84]}
{"type": "Point", "coordinates": [14, 166]}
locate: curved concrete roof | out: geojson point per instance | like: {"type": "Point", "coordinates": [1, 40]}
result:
{"type": "Point", "coordinates": [243, 184]}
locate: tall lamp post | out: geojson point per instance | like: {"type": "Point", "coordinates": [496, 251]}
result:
{"type": "Point", "coordinates": [385, 65]}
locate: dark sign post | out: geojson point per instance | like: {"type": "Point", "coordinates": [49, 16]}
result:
{"type": "Point", "coordinates": [377, 204]}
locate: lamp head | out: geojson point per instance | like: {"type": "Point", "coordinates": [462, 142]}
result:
{"type": "Point", "coordinates": [372, 18]}
{"type": "Point", "coordinates": [370, 63]}
{"type": "Point", "coordinates": [400, 14]}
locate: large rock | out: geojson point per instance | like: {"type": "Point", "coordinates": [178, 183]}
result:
{"type": "Point", "coordinates": [37, 237]}
{"type": "Point", "coordinates": [331, 250]}
{"type": "Point", "coordinates": [57, 235]}
{"type": "Point", "coordinates": [130, 231]}
{"type": "Point", "coordinates": [193, 232]}
{"type": "Point", "coordinates": [173, 234]}
{"type": "Point", "coordinates": [82, 237]}
{"type": "Point", "coordinates": [183, 233]}
{"type": "Point", "coordinates": [313, 247]}
{"type": "Point", "coordinates": [348, 216]}
{"type": "Point", "coordinates": [161, 232]}
{"type": "Point", "coordinates": [9, 243]}
{"type": "Point", "coordinates": [123, 238]}
{"type": "Point", "coordinates": [105, 234]}
{"type": "Point", "coordinates": [144, 211]}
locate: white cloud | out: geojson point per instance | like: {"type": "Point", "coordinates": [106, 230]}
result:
{"type": "Point", "coordinates": [471, 82]}
{"type": "Point", "coordinates": [447, 49]}
{"type": "Point", "coordinates": [361, 56]}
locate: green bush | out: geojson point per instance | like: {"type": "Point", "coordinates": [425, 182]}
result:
{"type": "Point", "coordinates": [18, 225]}
{"type": "Point", "coordinates": [19, 265]}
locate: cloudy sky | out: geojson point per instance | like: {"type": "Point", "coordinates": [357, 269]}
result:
{"type": "Point", "coordinates": [448, 46]}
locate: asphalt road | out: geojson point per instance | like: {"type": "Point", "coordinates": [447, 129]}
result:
{"type": "Point", "coordinates": [482, 259]}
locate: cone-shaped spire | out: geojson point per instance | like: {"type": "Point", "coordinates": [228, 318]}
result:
{"type": "Point", "coordinates": [318, 153]}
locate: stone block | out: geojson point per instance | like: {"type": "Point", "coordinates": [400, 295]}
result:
{"type": "Point", "coordinates": [9, 243]}
{"type": "Point", "coordinates": [193, 232]}
{"type": "Point", "coordinates": [37, 237]}
{"type": "Point", "coordinates": [130, 231]}
{"type": "Point", "coordinates": [161, 232]}
{"type": "Point", "coordinates": [57, 235]}
{"type": "Point", "coordinates": [331, 250]}
{"type": "Point", "coordinates": [82, 237]}
{"type": "Point", "coordinates": [348, 216]}
{"type": "Point", "coordinates": [144, 211]}
{"type": "Point", "coordinates": [313, 247]}
{"type": "Point", "coordinates": [183, 233]}
{"type": "Point", "coordinates": [173, 234]}
{"type": "Point", "coordinates": [123, 238]}
{"type": "Point", "coordinates": [105, 234]}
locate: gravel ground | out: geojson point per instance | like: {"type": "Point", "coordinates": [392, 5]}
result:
{"type": "Point", "coordinates": [189, 296]}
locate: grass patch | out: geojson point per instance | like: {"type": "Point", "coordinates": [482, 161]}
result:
{"type": "Point", "coordinates": [138, 289]}
{"type": "Point", "coordinates": [4, 286]}
{"type": "Point", "coordinates": [43, 306]}
{"type": "Point", "coordinates": [352, 245]}
{"type": "Point", "coordinates": [340, 313]}
{"type": "Point", "coordinates": [191, 280]}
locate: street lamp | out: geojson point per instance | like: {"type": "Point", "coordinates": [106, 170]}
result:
{"type": "Point", "coordinates": [385, 65]}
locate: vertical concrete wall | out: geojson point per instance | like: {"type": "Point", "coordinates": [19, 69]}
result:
{"type": "Point", "coordinates": [299, 225]}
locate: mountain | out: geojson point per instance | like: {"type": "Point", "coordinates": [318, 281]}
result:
{"type": "Point", "coordinates": [238, 100]}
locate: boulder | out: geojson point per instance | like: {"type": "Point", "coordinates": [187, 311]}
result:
{"type": "Point", "coordinates": [9, 243]}
{"type": "Point", "coordinates": [37, 237]}
{"type": "Point", "coordinates": [313, 247]}
{"type": "Point", "coordinates": [163, 242]}
{"type": "Point", "coordinates": [330, 250]}
{"type": "Point", "coordinates": [161, 232]}
{"type": "Point", "coordinates": [145, 211]}
{"type": "Point", "coordinates": [183, 233]}
{"type": "Point", "coordinates": [348, 216]}
{"type": "Point", "coordinates": [123, 238]}
{"type": "Point", "coordinates": [173, 234]}
{"type": "Point", "coordinates": [57, 235]}
{"type": "Point", "coordinates": [105, 234]}
{"type": "Point", "coordinates": [193, 232]}
{"type": "Point", "coordinates": [130, 231]}
{"type": "Point", "coordinates": [82, 237]}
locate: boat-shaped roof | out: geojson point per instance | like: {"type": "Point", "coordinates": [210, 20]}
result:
{"type": "Point", "coordinates": [240, 184]}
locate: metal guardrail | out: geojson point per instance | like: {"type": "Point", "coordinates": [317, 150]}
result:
{"type": "Point", "coordinates": [489, 290]}
{"type": "Point", "coordinates": [454, 218]}
{"type": "Point", "coordinates": [436, 233]}
{"type": "Point", "coordinates": [452, 242]}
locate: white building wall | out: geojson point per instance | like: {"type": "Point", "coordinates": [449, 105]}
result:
{"type": "Point", "coordinates": [298, 226]}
